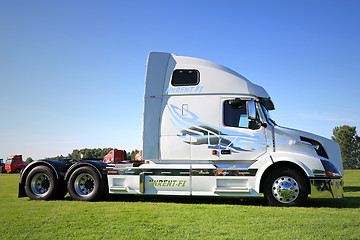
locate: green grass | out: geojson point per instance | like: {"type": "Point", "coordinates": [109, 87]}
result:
{"type": "Point", "coordinates": [124, 217]}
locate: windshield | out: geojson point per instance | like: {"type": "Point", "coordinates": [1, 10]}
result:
{"type": "Point", "coordinates": [268, 117]}
{"type": "Point", "coordinates": [8, 161]}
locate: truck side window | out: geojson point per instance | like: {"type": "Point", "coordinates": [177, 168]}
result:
{"type": "Point", "coordinates": [182, 77]}
{"type": "Point", "coordinates": [235, 116]}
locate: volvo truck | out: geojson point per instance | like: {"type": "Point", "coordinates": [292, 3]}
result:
{"type": "Point", "coordinates": [14, 164]}
{"type": "Point", "coordinates": [207, 131]}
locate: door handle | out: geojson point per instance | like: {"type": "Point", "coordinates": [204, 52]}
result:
{"type": "Point", "coordinates": [225, 152]}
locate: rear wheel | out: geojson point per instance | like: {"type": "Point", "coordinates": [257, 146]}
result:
{"type": "Point", "coordinates": [85, 184]}
{"type": "Point", "coordinates": [41, 184]}
{"type": "Point", "coordinates": [285, 187]}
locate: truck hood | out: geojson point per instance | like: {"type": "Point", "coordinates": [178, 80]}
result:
{"type": "Point", "coordinates": [292, 140]}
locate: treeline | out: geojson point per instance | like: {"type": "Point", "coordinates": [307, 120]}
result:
{"type": "Point", "coordinates": [349, 142]}
{"type": "Point", "coordinates": [95, 153]}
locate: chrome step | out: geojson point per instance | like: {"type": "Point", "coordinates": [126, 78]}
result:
{"type": "Point", "coordinates": [232, 190]}
{"type": "Point", "coordinates": [119, 188]}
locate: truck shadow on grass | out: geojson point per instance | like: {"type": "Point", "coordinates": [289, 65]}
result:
{"type": "Point", "coordinates": [347, 202]}
{"type": "Point", "coordinates": [251, 201]}
{"type": "Point", "coordinates": [352, 189]}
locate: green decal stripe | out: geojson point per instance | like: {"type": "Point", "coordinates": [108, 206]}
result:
{"type": "Point", "coordinates": [194, 172]}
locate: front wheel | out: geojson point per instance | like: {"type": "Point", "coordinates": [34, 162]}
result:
{"type": "Point", "coordinates": [85, 184]}
{"type": "Point", "coordinates": [285, 187]}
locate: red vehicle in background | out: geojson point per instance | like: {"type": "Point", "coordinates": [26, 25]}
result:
{"type": "Point", "coordinates": [119, 157]}
{"type": "Point", "coordinates": [138, 157]}
{"type": "Point", "coordinates": [14, 164]}
{"type": "Point", "coordinates": [115, 156]}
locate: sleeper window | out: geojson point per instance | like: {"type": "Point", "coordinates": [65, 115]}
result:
{"type": "Point", "coordinates": [182, 77]}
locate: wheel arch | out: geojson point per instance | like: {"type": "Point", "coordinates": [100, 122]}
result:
{"type": "Point", "coordinates": [98, 166]}
{"type": "Point", "coordinates": [283, 164]}
{"type": "Point", "coordinates": [58, 167]}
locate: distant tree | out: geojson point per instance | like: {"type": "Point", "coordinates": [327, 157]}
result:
{"type": "Point", "coordinates": [87, 153]}
{"type": "Point", "coordinates": [95, 153]}
{"type": "Point", "coordinates": [29, 160]}
{"type": "Point", "coordinates": [58, 158]}
{"type": "Point", "coordinates": [131, 155]}
{"type": "Point", "coordinates": [75, 154]}
{"type": "Point", "coordinates": [349, 143]}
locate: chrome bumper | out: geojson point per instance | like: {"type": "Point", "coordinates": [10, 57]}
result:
{"type": "Point", "coordinates": [327, 188]}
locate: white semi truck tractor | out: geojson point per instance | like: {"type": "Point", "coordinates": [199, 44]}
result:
{"type": "Point", "coordinates": [207, 131]}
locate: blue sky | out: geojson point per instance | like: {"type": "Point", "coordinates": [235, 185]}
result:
{"type": "Point", "coordinates": [72, 72]}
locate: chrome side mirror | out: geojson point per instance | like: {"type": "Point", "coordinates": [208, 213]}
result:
{"type": "Point", "coordinates": [251, 110]}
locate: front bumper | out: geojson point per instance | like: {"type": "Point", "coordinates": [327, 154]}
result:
{"type": "Point", "coordinates": [327, 188]}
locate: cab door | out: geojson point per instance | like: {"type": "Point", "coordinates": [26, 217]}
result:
{"type": "Point", "coordinates": [190, 128]}
{"type": "Point", "coordinates": [237, 140]}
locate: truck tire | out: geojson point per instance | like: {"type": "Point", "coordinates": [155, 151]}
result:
{"type": "Point", "coordinates": [85, 184]}
{"type": "Point", "coordinates": [285, 187]}
{"type": "Point", "coordinates": [41, 184]}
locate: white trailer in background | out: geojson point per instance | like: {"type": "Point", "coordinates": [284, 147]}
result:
{"type": "Point", "coordinates": [207, 131]}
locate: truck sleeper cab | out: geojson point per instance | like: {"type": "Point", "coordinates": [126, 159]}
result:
{"type": "Point", "coordinates": [207, 131]}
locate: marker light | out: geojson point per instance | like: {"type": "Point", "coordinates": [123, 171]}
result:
{"type": "Point", "coordinates": [330, 169]}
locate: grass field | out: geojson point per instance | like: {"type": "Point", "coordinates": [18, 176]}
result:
{"type": "Point", "coordinates": [178, 218]}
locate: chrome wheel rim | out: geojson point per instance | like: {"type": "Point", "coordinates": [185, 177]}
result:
{"type": "Point", "coordinates": [84, 184]}
{"type": "Point", "coordinates": [285, 189]}
{"type": "Point", "coordinates": [40, 184]}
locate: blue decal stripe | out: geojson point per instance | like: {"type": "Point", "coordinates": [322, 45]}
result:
{"type": "Point", "coordinates": [203, 134]}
